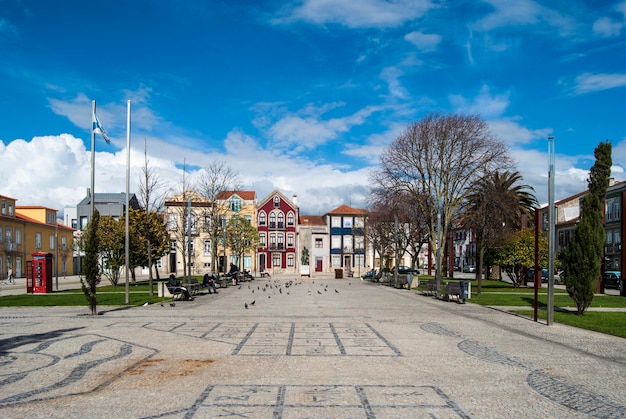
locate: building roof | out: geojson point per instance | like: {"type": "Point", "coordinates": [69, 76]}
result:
{"type": "Point", "coordinates": [119, 198]}
{"type": "Point", "coordinates": [245, 195]}
{"type": "Point", "coordinates": [18, 207]}
{"type": "Point", "coordinates": [33, 221]}
{"type": "Point", "coordinates": [346, 210]}
{"type": "Point", "coordinates": [311, 220]}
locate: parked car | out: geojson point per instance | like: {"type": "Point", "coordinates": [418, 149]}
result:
{"type": "Point", "coordinates": [469, 268]}
{"type": "Point", "coordinates": [531, 275]}
{"type": "Point", "coordinates": [612, 279]}
{"type": "Point", "coordinates": [406, 270]}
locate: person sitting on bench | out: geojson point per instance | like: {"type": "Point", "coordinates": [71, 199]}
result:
{"type": "Point", "coordinates": [209, 282]}
{"type": "Point", "coordinates": [174, 285]}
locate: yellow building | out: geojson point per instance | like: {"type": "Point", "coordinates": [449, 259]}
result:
{"type": "Point", "coordinates": [197, 233]}
{"type": "Point", "coordinates": [25, 230]}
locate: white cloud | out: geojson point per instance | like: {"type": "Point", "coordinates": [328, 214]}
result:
{"type": "Point", "coordinates": [588, 82]}
{"type": "Point", "coordinates": [484, 104]}
{"type": "Point", "coordinates": [606, 27]}
{"type": "Point", "coordinates": [423, 41]}
{"type": "Point", "coordinates": [307, 129]}
{"type": "Point", "coordinates": [357, 14]}
{"type": "Point", "coordinates": [508, 13]}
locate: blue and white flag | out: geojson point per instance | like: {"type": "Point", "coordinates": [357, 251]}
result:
{"type": "Point", "coordinates": [97, 128]}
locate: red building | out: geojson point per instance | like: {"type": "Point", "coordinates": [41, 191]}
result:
{"type": "Point", "coordinates": [277, 219]}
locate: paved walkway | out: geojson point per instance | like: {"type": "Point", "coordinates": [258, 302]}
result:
{"type": "Point", "coordinates": [316, 347]}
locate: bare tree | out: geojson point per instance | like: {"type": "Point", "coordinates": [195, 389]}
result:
{"type": "Point", "coordinates": [436, 160]}
{"type": "Point", "coordinates": [151, 198]}
{"type": "Point", "coordinates": [217, 177]}
{"type": "Point", "coordinates": [179, 224]}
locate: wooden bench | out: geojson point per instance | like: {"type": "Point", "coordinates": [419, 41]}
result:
{"type": "Point", "coordinates": [452, 291]}
{"type": "Point", "coordinates": [193, 286]}
{"type": "Point", "coordinates": [431, 287]}
{"type": "Point", "coordinates": [165, 291]}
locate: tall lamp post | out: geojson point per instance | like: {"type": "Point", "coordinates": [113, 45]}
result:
{"type": "Point", "coordinates": [551, 222]}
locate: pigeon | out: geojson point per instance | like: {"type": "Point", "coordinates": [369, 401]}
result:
{"type": "Point", "coordinates": [239, 287]}
{"type": "Point", "coordinates": [279, 290]}
{"type": "Point", "coordinates": [245, 305]}
{"type": "Point", "coordinates": [252, 303]}
{"type": "Point", "coordinates": [172, 304]}
{"type": "Point", "coordinates": [325, 289]}
{"type": "Point", "coordinates": [248, 286]}
{"type": "Point", "coordinates": [336, 291]}
{"type": "Point", "coordinates": [318, 291]}
{"type": "Point", "coordinates": [161, 304]}
{"type": "Point", "coordinates": [269, 296]}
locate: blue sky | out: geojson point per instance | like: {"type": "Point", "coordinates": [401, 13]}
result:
{"type": "Point", "coordinates": [299, 96]}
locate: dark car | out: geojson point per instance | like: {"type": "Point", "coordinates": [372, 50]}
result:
{"type": "Point", "coordinates": [612, 279]}
{"type": "Point", "coordinates": [544, 275]}
{"type": "Point", "coordinates": [406, 270]}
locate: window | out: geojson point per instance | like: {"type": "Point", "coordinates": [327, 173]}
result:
{"type": "Point", "coordinates": [4, 207]}
{"type": "Point", "coordinates": [276, 260]}
{"type": "Point", "coordinates": [37, 240]}
{"type": "Point", "coordinates": [335, 221]}
{"type": "Point", "coordinates": [83, 222]}
{"type": "Point", "coordinates": [262, 240]}
{"type": "Point", "coordinates": [172, 222]}
{"type": "Point", "coordinates": [272, 220]}
{"type": "Point", "coordinates": [335, 242]}
{"type": "Point", "coordinates": [206, 248]}
{"type": "Point", "coordinates": [50, 217]}
{"type": "Point", "coordinates": [193, 226]}
{"type": "Point", "coordinates": [290, 260]}
{"type": "Point", "coordinates": [262, 218]}
{"type": "Point", "coordinates": [1, 236]}
{"type": "Point", "coordinates": [11, 209]}
{"type": "Point", "coordinates": [358, 222]}
{"type": "Point", "coordinates": [281, 220]}
{"type": "Point", "coordinates": [347, 222]}
{"type": "Point", "coordinates": [612, 209]}
{"type": "Point", "coordinates": [336, 260]}
{"type": "Point", "coordinates": [9, 235]}
{"type": "Point", "coordinates": [64, 243]}
{"type": "Point", "coordinates": [347, 243]}
{"type": "Point", "coordinates": [359, 260]}
{"type": "Point", "coordinates": [247, 262]}
{"type": "Point", "coordinates": [290, 239]}
{"type": "Point", "coordinates": [319, 243]}
{"type": "Point", "coordinates": [235, 204]}
{"type": "Point", "coordinates": [281, 241]}
{"type": "Point", "coordinates": [18, 235]}
{"type": "Point", "coordinates": [74, 223]}
{"type": "Point", "coordinates": [207, 223]}
{"type": "Point", "coordinates": [173, 246]}
{"type": "Point", "coordinates": [52, 242]}
{"type": "Point", "coordinates": [359, 242]}
{"type": "Point", "coordinates": [290, 218]}
{"type": "Point", "coordinates": [276, 201]}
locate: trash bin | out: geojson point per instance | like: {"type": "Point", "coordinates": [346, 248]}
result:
{"type": "Point", "coordinates": [464, 294]}
{"type": "Point", "coordinates": [338, 273]}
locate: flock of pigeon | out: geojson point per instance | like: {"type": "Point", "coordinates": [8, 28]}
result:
{"type": "Point", "coordinates": [275, 286]}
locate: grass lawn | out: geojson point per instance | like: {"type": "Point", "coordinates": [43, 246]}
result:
{"type": "Point", "coordinates": [497, 293]}
{"type": "Point", "coordinates": [106, 295]}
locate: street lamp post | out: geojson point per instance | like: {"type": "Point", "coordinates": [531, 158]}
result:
{"type": "Point", "coordinates": [551, 220]}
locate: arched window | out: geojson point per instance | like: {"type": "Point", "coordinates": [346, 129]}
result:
{"type": "Point", "coordinates": [290, 219]}
{"type": "Point", "coordinates": [281, 220]}
{"type": "Point", "coordinates": [262, 218]}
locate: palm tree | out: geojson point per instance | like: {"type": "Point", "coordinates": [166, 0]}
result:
{"type": "Point", "coordinates": [495, 208]}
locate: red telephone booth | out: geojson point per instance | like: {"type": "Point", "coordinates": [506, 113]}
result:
{"type": "Point", "coordinates": [42, 273]}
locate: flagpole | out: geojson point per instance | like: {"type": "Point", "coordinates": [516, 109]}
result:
{"type": "Point", "coordinates": [127, 239]}
{"type": "Point", "coordinates": [93, 159]}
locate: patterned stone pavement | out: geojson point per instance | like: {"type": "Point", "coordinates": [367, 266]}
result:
{"type": "Point", "coordinates": [304, 348]}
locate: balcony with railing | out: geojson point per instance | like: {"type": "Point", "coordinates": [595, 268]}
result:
{"type": "Point", "coordinates": [612, 248]}
{"type": "Point", "coordinates": [10, 246]}
{"type": "Point", "coordinates": [277, 246]}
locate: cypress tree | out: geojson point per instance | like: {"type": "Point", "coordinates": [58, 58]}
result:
{"type": "Point", "coordinates": [584, 255]}
{"type": "Point", "coordinates": [92, 268]}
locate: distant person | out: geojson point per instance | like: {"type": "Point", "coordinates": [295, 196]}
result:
{"type": "Point", "coordinates": [209, 282]}
{"type": "Point", "coordinates": [10, 275]}
{"type": "Point", "coordinates": [233, 273]}
{"type": "Point", "coordinates": [174, 285]}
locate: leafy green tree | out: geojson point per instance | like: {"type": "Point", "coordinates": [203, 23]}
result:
{"type": "Point", "coordinates": [112, 234]}
{"type": "Point", "coordinates": [147, 227]}
{"type": "Point", "coordinates": [241, 236]}
{"type": "Point", "coordinates": [517, 255]}
{"type": "Point", "coordinates": [91, 266]}
{"type": "Point", "coordinates": [585, 251]}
